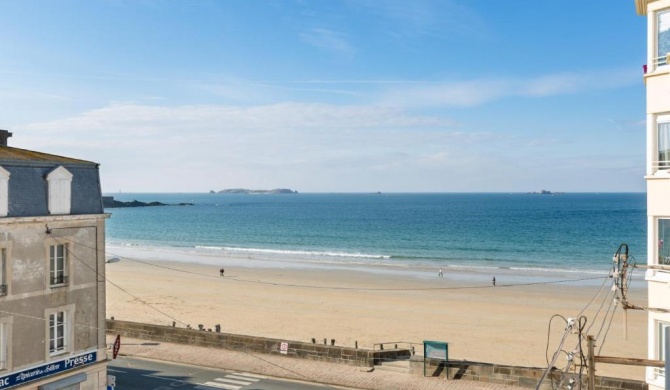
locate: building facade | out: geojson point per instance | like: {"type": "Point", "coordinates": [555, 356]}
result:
{"type": "Point", "coordinates": [52, 283]}
{"type": "Point", "coordinates": [657, 81]}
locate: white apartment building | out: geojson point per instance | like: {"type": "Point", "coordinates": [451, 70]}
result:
{"type": "Point", "coordinates": [657, 81]}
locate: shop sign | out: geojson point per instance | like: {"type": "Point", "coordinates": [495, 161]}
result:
{"type": "Point", "coordinates": [47, 369]}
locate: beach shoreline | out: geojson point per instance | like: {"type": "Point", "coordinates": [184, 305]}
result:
{"type": "Point", "coordinates": [462, 271]}
{"type": "Point", "coordinates": [507, 324]}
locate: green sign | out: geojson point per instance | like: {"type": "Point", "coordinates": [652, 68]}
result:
{"type": "Point", "coordinates": [435, 350]}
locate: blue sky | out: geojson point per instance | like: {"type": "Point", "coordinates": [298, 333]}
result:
{"type": "Point", "coordinates": [331, 96]}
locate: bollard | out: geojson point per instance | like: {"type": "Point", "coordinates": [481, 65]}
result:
{"type": "Point", "coordinates": [201, 326]}
{"type": "Point", "coordinates": [356, 344]}
{"type": "Point", "coordinates": [313, 340]}
{"type": "Point", "coordinates": [174, 323]}
{"type": "Point", "coordinates": [218, 328]}
{"type": "Point", "coordinates": [332, 342]}
{"type": "Point", "coordinates": [325, 342]}
{"type": "Point", "coordinates": [381, 347]}
{"type": "Point", "coordinates": [396, 346]}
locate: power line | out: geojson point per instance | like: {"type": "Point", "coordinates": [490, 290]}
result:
{"type": "Point", "coordinates": [618, 292]}
{"type": "Point", "coordinates": [340, 287]}
{"type": "Point", "coordinates": [110, 282]}
{"type": "Point", "coordinates": [50, 232]}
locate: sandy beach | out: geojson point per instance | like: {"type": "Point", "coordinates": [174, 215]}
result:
{"type": "Point", "coordinates": [503, 324]}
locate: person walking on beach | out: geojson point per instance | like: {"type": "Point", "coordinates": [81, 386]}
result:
{"type": "Point", "coordinates": [221, 271]}
{"type": "Point", "coordinates": [494, 281]}
{"type": "Point", "coordinates": [439, 274]}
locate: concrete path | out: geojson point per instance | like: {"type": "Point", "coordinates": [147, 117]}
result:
{"type": "Point", "coordinates": [336, 375]}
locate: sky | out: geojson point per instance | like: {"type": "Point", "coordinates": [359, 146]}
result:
{"type": "Point", "coordinates": [331, 96]}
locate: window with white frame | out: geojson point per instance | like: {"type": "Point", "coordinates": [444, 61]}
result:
{"type": "Point", "coordinates": [663, 141]}
{"type": "Point", "coordinates": [58, 339]}
{"type": "Point", "coordinates": [662, 326]}
{"type": "Point", "coordinates": [4, 345]}
{"type": "Point", "coordinates": [58, 265]}
{"type": "Point", "coordinates": [663, 38]}
{"type": "Point", "coordinates": [60, 189]}
{"type": "Point", "coordinates": [3, 272]}
{"type": "Point", "coordinates": [664, 241]}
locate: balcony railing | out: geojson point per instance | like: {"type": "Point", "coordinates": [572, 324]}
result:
{"type": "Point", "coordinates": [59, 279]}
{"type": "Point", "coordinates": [662, 61]}
{"type": "Point", "coordinates": [3, 290]}
{"type": "Point", "coordinates": [661, 165]}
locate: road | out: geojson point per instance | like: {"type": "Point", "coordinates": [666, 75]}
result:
{"type": "Point", "coordinates": [143, 374]}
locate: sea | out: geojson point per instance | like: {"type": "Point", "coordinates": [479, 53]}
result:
{"type": "Point", "coordinates": [555, 235]}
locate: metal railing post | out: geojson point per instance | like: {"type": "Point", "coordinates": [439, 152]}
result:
{"type": "Point", "coordinates": [667, 358]}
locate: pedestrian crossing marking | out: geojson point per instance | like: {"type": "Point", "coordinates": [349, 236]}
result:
{"type": "Point", "coordinates": [245, 378]}
{"type": "Point", "coordinates": [226, 380]}
{"type": "Point", "coordinates": [210, 385]}
{"type": "Point", "coordinates": [233, 381]}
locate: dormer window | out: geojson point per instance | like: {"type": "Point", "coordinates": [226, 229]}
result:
{"type": "Point", "coordinates": [60, 189]}
{"type": "Point", "coordinates": [663, 38]}
{"type": "Point", "coordinates": [4, 192]}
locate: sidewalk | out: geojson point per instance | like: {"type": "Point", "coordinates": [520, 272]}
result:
{"type": "Point", "coordinates": [292, 368]}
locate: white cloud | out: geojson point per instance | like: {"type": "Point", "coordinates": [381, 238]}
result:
{"type": "Point", "coordinates": [567, 83]}
{"type": "Point", "coordinates": [153, 120]}
{"type": "Point", "coordinates": [309, 147]}
{"type": "Point", "coordinates": [328, 40]}
{"type": "Point", "coordinates": [144, 148]}
{"type": "Point", "coordinates": [426, 17]}
{"type": "Point", "coordinates": [480, 91]}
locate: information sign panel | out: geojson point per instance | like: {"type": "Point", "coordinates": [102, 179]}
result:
{"type": "Point", "coordinates": [435, 350]}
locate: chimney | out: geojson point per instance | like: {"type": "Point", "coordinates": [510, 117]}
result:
{"type": "Point", "coordinates": [4, 134]}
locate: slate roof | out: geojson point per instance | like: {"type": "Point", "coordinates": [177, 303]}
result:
{"type": "Point", "coordinates": [10, 154]}
{"type": "Point", "coordinates": [28, 187]}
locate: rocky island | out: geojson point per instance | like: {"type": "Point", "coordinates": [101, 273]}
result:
{"type": "Point", "coordinates": [545, 192]}
{"type": "Point", "coordinates": [247, 191]}
{"type": "Point", "coordinates": [110, 202]}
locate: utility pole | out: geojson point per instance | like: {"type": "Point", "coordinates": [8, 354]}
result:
{"type": "Point", "coordinates": [624, 292]}
{"type": "Point", "coordinates": [591, 362]}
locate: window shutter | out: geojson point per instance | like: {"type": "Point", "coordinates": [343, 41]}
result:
{"type": "Point", "coordinates": [4, 192]}
{"type": "Point", "coordinates": [60, 191]}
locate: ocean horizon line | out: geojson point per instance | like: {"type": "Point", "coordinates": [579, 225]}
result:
{"type": "Point", "coordinates": [532, 192]}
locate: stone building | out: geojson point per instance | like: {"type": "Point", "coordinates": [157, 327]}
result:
{"type": "Point", "coordinates": [52, 284]}
{"type": "Point", "coordinates": [657, 81]}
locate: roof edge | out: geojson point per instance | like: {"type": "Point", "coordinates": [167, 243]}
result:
{"type": "Point", "coordinates": [47, 157]}
{"type": "Point", "coordinates": [641, 7]}
{"type": "Point", "coordinates": [47, 164]}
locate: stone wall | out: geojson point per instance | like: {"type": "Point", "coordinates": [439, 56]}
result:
{"type": "Point", "coordinates": [510, 375]}
{"type": "Point", "coordinates": [204, 338]}
{"type": "Point", "coordinates": [453, 370]}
